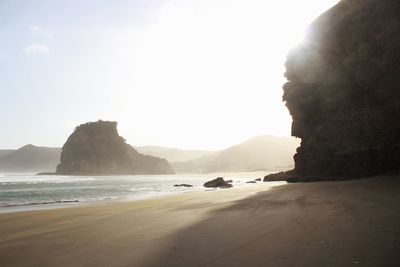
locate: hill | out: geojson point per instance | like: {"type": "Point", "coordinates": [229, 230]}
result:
{"type": "Point", "coordinates": [259, 153]}
{"type": "Point", "coordinates": [4, 152]}
{"type": "Point", "coordinates": [29, 159]}
{"type": "Point", "coordinates": [172, 154]}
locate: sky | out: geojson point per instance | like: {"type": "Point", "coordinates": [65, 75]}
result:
{"type": "Point", "coordinates": [202, 74]}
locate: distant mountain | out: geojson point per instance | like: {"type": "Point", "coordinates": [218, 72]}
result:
{"type": "Point", "coordinates": [29, 159]}
{"type": "Point", "coordinates": [173, 154]}
{"type": "Point", "coordinates": [259, 153]}
{"type": "Point", "coordinates": [4, 152]}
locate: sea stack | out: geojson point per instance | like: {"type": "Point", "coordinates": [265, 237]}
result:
{"type": "Point", "coordinates": [96, 148]}
{"type": "Point", "coordinates": [343, 91]}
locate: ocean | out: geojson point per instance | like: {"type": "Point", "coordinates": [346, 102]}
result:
{"type": "Point", "coordinates": [27, 192]}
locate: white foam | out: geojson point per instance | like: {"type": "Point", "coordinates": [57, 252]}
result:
{"type": "Point", "coordinates": [34, 179]}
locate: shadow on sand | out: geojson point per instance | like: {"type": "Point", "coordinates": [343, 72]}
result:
{"type": "Point", "coordinates": [307, 224]}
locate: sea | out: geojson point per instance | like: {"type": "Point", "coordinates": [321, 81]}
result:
{"type": "Point", "coordinates": [20, 192]}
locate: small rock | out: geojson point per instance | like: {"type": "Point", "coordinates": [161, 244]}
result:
{"type": "Point", "coordinates": [251, 182]}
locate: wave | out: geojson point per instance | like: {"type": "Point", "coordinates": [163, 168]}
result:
{"type": "Point", "coordinates": [11, 179]}
{"type": "Point", "coordinates": [7, 205]}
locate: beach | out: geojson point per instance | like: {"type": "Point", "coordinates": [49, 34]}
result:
{"type": "Point", "coordinates": [345, 223]}
{"type": "Point", "coordinates": [28, 192]}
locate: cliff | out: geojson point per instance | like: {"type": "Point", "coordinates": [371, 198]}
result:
{"type": "Point", "coordinates": [343, 91]}
{"type": "Point", "coordinates": [96, 148]}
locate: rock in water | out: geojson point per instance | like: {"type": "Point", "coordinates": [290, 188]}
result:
{"type": "Point", "coordinates": [343, 91]}
{"type": "Point", "coordinates": [219, 182]}
{"type": "Point", "coordinates": [96, 148]}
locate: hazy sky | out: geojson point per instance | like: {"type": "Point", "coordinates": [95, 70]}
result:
{"type": "Point", "coordinates": [180, 73]}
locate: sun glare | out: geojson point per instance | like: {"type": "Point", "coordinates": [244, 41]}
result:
{"type": "Point", "coordinates": [211, 68]}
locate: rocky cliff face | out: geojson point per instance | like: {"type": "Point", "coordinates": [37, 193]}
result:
{"type": "Point", "coordinates": [95, 148]}
{"type": "Point", "coordinates": [343, 90]}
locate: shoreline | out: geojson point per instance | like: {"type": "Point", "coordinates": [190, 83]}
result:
{"type": "Point", "coordinates": [60, 204]}
{"type": "Point", "coordinates": [303, 224]}
{"type": "Point", "coordinates": [100, 189]}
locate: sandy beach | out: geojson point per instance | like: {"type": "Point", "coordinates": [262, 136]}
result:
{"type": "Point", "coordinates": [348, 223]}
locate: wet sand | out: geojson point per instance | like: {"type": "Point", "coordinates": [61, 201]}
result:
{"type": "Point", "coordinates": [347, 223]}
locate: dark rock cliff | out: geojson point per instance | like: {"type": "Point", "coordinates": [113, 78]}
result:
{"type": "Point", "coordinates": [343, 91]}
{"type": "Point", "coordinates": [96, 148]}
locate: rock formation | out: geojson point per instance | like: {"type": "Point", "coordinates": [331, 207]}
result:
{"type": "Point", "coordinates": [218, 182]}
{"type": "Point", "coordinates": [343, 91]}
{"type": "Point", "coordinates": [96, 148]}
